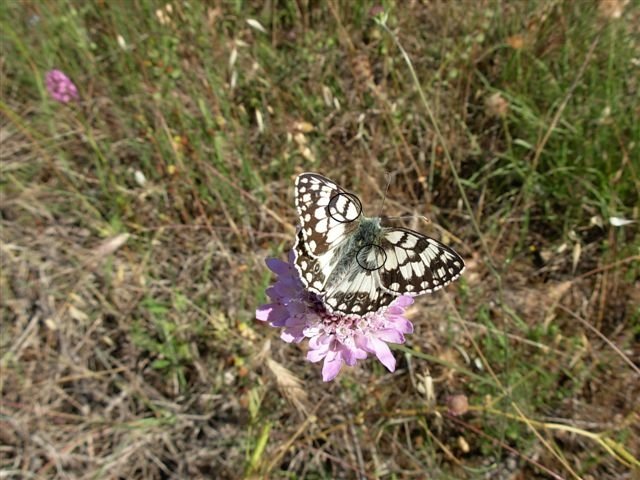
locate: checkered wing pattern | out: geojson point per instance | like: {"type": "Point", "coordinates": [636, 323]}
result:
{"type": "Point", "coordinates": [327, 213]}
{"type": "Point", "coordinates": [416, 264]}
{"type": "Point", "coordinates": [357, 293]}
{"type": "Point", "coordinates": [359, 277]}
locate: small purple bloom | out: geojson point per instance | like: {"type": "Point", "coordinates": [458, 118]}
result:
{"type": "Point", "coordinates": [333, 337]}
{"type": "Point", "coordinates": [60, 87]}
{"type": "Point", "coordinates": [376, 10]}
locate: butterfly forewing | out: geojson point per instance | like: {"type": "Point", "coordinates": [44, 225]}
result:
{"type": "Point", "coordinates": [327, 212]}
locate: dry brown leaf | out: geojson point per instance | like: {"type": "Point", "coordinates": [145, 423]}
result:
{"type": "Point", "coordinates": [77, 314]}
{"type": "Point", "coordinates": [497, 105]}
{"type": "Point", "coordinates": [577, 253]}
{"type": "Point", "coordinates": [516, 41]}
{"type": "Point", "coordinates": [612, 8]}
{"type": "Point", "coordinates": [463, 445]}
{"type": "Point", "coordinates": [300, 139]}
{"type": "Point", "coordinates": [109, 246]}
{"type": "Point", "coordinates": [362, 71]}
{"type": "Point", "coordinates": [302, 126]}
{"type": "Point", "coordinates": [553, 295]}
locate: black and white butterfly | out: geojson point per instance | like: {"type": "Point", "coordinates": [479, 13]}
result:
{"type": "Point", "coordinates": [355, 264]}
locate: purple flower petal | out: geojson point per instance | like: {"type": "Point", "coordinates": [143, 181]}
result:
{"type": "Point", "coordinates": [272, 313]}
{"type": "Point", "coordinates": [277, 266]}
{"type": "Point", "coordinates": [320, 341]}
{"type": "Point", "coordinates": [403, 301]}
{"type": "Point", "coordinates": [390, 335]}
{"type": "Point", "coordinates": [316, 355]}
{"type": "Point", "coordinates": [292, 335]}
{"type": "Point", "coordinates": [401, 324]}
{"type": "Point", "coordinates": [360, 353]}
{"type": "Point", "coordinates": [282, 291]}
{"type": "Point", "coordinates": [332, 365]}
{"type": "Point", "coordinates": [349, 356]}
{"type": "Point", "coordinates": [383, 352]}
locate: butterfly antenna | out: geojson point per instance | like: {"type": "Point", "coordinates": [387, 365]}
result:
{"type": "Point", "coordinates": [386, 191]}
{"type": "Point", "coordinates": [410, 217]}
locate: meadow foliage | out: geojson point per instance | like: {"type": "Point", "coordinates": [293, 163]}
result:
{"type": "Point", "coordinates": [148, 156]}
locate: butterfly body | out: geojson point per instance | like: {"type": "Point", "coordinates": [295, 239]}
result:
{"type": "Point", "coordinates": [354, 263]}
{"type": "Point", "coordinates": [367, 232]}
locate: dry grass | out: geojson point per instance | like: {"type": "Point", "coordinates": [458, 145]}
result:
{"type": "Point", "coordinates": [129, 347]}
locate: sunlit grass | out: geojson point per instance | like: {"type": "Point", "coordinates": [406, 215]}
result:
{"type": "Point", "coordinates": [190, 126]}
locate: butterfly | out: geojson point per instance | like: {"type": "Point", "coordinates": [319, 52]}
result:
{"type": "Point", "coordinates": [354, 263]}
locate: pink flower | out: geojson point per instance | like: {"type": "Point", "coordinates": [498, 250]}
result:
{"type": "Point", "coordinates": [376, 10]}
{"type": "Point", "coordinates": [60, 87]}
{"type": "Point", "coordinates": [335, 338]}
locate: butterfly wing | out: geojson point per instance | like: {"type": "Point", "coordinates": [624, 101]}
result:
{"type": "Point", "coordinates": [313, 270]}
{"type": "Point", "coordinates": [417, 264]}
{"type": "Point", "coordinates": [328, 213]}
{"type": "Point", "coordinates": [358, 292]}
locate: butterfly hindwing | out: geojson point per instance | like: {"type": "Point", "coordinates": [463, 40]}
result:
{"type": "Point", "coordinates": [327, 212]}
{"type": "Point", "coordinates": [358, 292]}
{"type": "Point", "coordinates": [311, 270]}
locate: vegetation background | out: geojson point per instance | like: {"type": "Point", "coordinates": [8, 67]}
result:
{"type": "Point", "coordinates": [136, 220]}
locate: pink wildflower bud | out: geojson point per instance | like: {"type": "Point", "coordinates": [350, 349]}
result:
{"type": "Point", "coordinates": [60, 87]}
{"type": "Point", "coordinates": [376, 10]}
{"type": "Point", "coordinates": [458, 404]}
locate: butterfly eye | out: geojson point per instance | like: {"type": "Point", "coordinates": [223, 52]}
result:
{"type": "Point", "coordinates": [316, 268]}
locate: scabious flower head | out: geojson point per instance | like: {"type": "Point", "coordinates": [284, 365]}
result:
{"type": "Point", "coordinates": [333, 337]}
{"type": "Point", "coordinates": [60, 87]}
